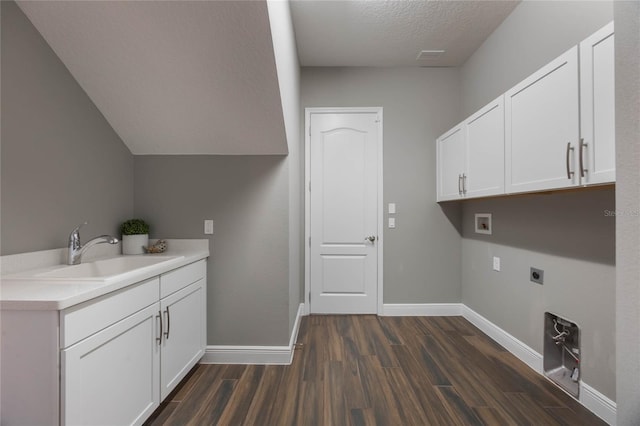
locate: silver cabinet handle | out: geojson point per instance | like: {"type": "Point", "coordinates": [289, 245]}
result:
{"type": "Point", "coordinates": [166, 333]}
{"type": "Point", "coordinates": [459, 187]}
{"type": "Point", "coordinates": [464, 183]}
{"type": "Point", "coordinates": [569, 172]}
{"type": "Point", "coordinates": [581, 158]}
{"type": "Point", "coordinates": [371, 238]}
{"type": "Point", "coordinates": [159, 339]}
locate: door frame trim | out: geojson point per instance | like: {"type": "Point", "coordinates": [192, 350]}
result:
{"type": "Point", "coordinates": [307, 199]}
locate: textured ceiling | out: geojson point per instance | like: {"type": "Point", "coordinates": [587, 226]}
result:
{"type": "Point", "coordinates": [199, 77]}
{"type": "Point", "coordinates": [173, 77]}
{"type": "Point", "coordinates": [392, 32]}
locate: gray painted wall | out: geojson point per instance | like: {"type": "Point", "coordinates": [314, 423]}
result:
{"type": "Point", "coordinates": [288, 67]}
{"type": "Point", "coordinates": [535, 33]}
{"type": "Point", "coordinates": [571, 238]}
{"type": "Point", "coordinates": [567, 234]}
{"type": "Point", "coordinates": [247, 198]}
{"type": "Point", "coordinates": [62, 164]}
{"type": "Point", "coordinates": [627, 17]}
{"type": "Point", "coordinates": [422, 255]}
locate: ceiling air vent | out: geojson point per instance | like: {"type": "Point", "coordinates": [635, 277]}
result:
{"type": "Point", "coordinates": [429, 54]}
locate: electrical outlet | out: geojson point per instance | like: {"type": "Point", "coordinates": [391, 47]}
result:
{"type": "Point", "coordinates": [392, 208]}
{"type": "Point", "coordinates": [536, 275]}
{"type": "Point", "coordinates": [496, 263]}
{"type": "Point", "coordinates": [392, 222]}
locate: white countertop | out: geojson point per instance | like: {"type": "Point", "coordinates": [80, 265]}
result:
{"type": "Point", "coordinates": [24, 294]}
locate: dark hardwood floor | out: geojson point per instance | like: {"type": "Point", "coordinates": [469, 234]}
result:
{"type": "Point", "coordinates": [366, 370]}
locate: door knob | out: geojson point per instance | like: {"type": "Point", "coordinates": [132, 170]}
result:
{"type": "Point", "coordinates": [371, 238]}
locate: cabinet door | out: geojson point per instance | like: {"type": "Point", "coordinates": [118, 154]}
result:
{"type": "Point", "coordinates": [111, 378]}
{"type": "Point", "coordinates": [450, 164]}
{"type": "Point", "coordinates": [485, 151]}
{"type": "Point", "coordinates": [184, 334]}
{"type": "Point", "coordinates": [597, 108]}
{"type": "Point", "coordinates": [542, 128]}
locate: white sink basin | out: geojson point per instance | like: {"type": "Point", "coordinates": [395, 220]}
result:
{"type": "Point", "coordinates": [98, 270]}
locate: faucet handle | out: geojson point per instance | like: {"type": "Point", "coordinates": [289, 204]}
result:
{"type": "Point", "coordinates": [77, 228]}
{"type": "Point", "coordinates": [74, 236]}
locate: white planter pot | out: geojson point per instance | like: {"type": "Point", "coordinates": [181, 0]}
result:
{"type": "Point", "coordinates": [132, 244]}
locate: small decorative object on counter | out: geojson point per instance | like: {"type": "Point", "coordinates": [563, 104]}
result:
{"type": "Point", "coordinates": [135, 236]}
{"type": "Point", "coordinates": [160, 246]}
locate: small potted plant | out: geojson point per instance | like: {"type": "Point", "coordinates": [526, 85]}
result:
{"type": "Point", "coordinates": [135, 236]}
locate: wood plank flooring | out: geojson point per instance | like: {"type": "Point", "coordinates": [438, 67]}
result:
{"type": "Point", "coordinates": [369, 370]}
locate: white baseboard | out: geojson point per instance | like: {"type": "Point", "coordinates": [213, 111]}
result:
{"type": "Point", "coordinates": [599, 404]}
{"type": "Point", "coordinates": [421, 309]}
{"type": "Point", "coordinates": [523, 352]}
{"type": "Point", "coordinates": [267, 355]}
{"type": "Point", "coordinates": [593, 400]}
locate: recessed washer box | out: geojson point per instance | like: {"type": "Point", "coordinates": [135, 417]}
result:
{"type": "Point", "coordinates": [483, 223]}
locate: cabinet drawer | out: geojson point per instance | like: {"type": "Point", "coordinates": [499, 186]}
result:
{"type": "Point", "coordinates": [81, 321]}
{"type": "Point", "coordinates": [182, 277]}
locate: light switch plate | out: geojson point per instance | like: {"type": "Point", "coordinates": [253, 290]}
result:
{"type": "Point", "coordinates": [392, 208]}
{"type": "Point", "coordinates": [392, 222]}
{"type": "Point", "coordinates": [496, 263]}
{"type": "Point", "coordinates": [208, 226]}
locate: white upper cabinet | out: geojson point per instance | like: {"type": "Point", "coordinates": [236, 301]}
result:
{"type": "Point", "coordinates": [597, 108]}
{"type": "Point", "coordinates": [451, 163]}
{"type": "Point", "coordinates": [553, 130]}
{"type": "Point", "coordinates": [542, 128]}
{"type": "Point", "coordinates": [471, 155]}
{"type": "Point", "coordinates": [484, 174]}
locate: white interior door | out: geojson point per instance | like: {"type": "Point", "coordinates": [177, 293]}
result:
{"type": "Point", "coordinates": [343, 212]}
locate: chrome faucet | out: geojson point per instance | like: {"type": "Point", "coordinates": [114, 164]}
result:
{"type": "Point", "coordinates": [76, 249]}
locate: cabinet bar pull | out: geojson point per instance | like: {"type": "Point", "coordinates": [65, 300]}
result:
{"type": "Point", "coordinates": [459, 187]}
{"type": "Point", "coordinates": [569, 172]}
{"type": "Point", "coordinates": [581, 148]}
{"type": "Point", "coordinates": [159, 339]}
{"type": "Point", "coordinates": [464, 183]}
{"type": "Point", "coordinates": [166, 333]}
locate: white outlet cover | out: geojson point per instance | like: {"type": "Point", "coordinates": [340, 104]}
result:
{"type": "Point", "coordinates": [392, 222]}
{"type": "Point", "coordinates": [392, 208]}
{"type": "Point", "coordinates": [208, 226]}
{"type": "Point", "coordinates": [496, 263]}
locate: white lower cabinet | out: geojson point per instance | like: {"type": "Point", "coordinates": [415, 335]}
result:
{"type": "Point", "coordinates": [112, 377]}
{"type": "Point", "coordinates": [107, 361]}
{"type": "Point", "coordinates": [183, 338]}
